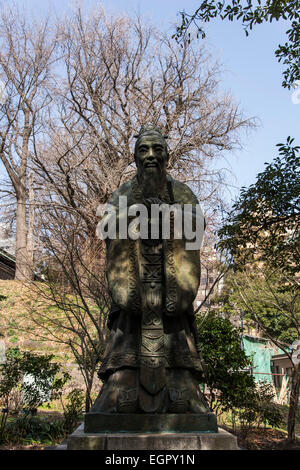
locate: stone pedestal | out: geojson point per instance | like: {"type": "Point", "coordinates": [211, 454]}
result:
{"type": "Point", "coordinates": [145, 423]}
{"type": "Point", "coordinates": [221, 440]}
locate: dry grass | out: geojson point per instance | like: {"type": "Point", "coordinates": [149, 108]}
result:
{"type": "Point", "coordinates": [265, 439]}
{"type": "Point", "coordinates": [17, 302]}
{"type": "Point", "coordinates": [31, 320]}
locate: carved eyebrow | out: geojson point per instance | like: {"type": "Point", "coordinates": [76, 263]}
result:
{"type": "Point", "coordinates": [154, 145]}
{"type": "Point", "coordinates": [143, 145]}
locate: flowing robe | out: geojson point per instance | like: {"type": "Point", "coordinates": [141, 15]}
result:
{"type": "Point", "coordinates": [175, 275]}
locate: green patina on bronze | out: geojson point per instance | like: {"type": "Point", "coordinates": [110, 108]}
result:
{"type": "Point", "coordinates": [152, 363]}
{"type": "Point", "coordinates": [181, 266]}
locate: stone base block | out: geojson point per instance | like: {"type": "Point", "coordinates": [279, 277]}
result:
{"type": "Point", "coordinates": [221, 440]}
{"type": "Point", "coordinates": [146, 422]}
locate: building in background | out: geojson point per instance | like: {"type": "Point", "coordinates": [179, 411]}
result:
{"type": "Point", "coordinates": [281, 366]}
{"type": "Point", "coordinates": [269, 364]}
{"type": "Point", "coordinates": [261, 351]}
{"type": "Point", "coordinates": [7, 265]}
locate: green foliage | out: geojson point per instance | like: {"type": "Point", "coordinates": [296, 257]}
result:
{"type": "Point", "coordinates": [268, 412]}
{"type": "Point", "coordinates": [263, 297]}
{"type": "Point", "coordinates": [73, 409]}
{"type": "Point", "coordinates": [262, 234]}
{"type": "Point", "coordinates": [232, 388]}
{"type": "Point", "coordinates": [225, 362]}
{"type": "Point", "coordinates": [29, 429]}
{"type": "Point", "coordinates": [11, 374]}
{"type": "Point", "coordinates": [264, 222]}
{"type": "Point", "coordinates": [46, 382]}
{"type": "Point", "coordinates": [258, 409]}
{"type": "Point", "coordinates": [250, 15]}
{"type": "Point", "coordinates": [46, 379]}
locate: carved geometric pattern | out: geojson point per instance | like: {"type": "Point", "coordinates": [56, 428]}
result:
{"type": "Point", "coordinates": [134, 359]}
{"type": "Point", "coordinates": [127, 395]}
{"type": "Point", "coordinates": [134, 298]}
{"type": "Point", "coordinates": [152, 343]}
{"type": "Point", "coordinates": [152, 319]}
{"type": "Point", "coordinates": [177, 394]}
{"type": "Point", "coordinates": [171, 285]}
{"type": "Point", "coordinates": [152, 273]}
{"type": "Point", "coordinates": [153, 260]}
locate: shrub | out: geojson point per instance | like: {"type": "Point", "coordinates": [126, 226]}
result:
{"type": "Point", "coordinates": [33, 428]}
{"type": "Point", "coordinates": [258, 409]}
{"type": "Point", "coordinates": [73, 409]}
{"type": "Point", "coordinates": [27, 380]}
{"type": "Point", "coordinates": [36, 377]}
{"type": "Point", "coordinates": [231, 388]}
{"type": "Point", "coordinates": [225, 376]}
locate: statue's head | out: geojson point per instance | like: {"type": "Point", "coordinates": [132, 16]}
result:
{"type": "Point", "coordinates": [151, 152]}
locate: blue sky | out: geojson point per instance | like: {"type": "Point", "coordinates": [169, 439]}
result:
{"type": "Point", "coordinates": [251, 73]}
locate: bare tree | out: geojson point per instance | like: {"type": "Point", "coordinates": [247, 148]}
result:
{"type": "Point", "coordinates": [118, 75]}
{"type": "Point", "coordinates": [75, 297]}
{"type": "Point", "coordinates": [113, 76]}
{"type": "Point", "coordinates": [121, 73]}
{"type": "Point", "coordinates": [25, 62]}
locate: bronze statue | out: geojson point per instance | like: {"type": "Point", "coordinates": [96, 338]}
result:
{"type": "Point", "coordinates": [152, 363]}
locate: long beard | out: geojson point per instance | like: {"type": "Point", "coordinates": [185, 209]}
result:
{"type": "Point", "coordinates": [152, 181]}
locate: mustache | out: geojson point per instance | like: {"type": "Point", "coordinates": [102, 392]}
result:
{"type": "Point", "coordinates": [151, 163]}
{"type": "Point", "coordinates": [148, 172]}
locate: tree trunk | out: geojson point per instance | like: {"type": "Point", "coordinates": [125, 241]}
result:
{"type": "Point", "coordinates": [294, 401]}
{"type": "Point", "coordinates": [88, 395]}
{"type": "Point", "coordinates": [24, 237]}
{"type": "Point", "coordinates": [22, 267]}
{"type": "Point", "coordinates": [30, 232]}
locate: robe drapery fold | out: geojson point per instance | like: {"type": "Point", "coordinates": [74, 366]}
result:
{"type": "Point", "coordinates": [181, 275]}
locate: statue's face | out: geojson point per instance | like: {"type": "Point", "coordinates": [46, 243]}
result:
{"type": "Point", "coordinates": [151, 155]}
